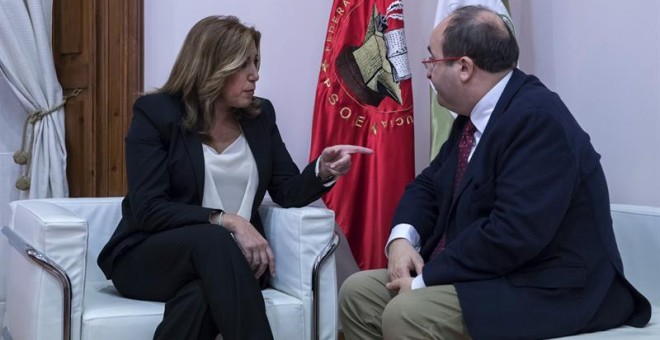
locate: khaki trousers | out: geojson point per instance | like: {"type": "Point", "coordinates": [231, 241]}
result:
{"type": "Point", "coordinates": [368, 310]}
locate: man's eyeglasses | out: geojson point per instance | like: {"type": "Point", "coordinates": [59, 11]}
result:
{"type": "Point", "coordinates": [428, 62]}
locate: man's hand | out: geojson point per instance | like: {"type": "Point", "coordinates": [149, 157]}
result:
{"type": "Point", "coordinates": [403, 259]}
{"type": "Point", "coordinates": [254, 246]}
{"type": "Point", "coordinates": [336, 160]}
{"type": "Point", "coordinates": [401, 285]}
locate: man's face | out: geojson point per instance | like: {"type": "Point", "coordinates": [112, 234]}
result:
{"type": "Point", "coordinates": [442, 74]}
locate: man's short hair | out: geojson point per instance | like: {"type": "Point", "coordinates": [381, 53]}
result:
{"type": "Point", "coordinates": [472, 32]}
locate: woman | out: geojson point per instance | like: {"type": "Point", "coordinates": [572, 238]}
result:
{"type": "Point", "coordinates": [201, 153]}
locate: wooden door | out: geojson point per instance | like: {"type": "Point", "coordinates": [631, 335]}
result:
{"type": "Point", "coordinates": [97, 47]}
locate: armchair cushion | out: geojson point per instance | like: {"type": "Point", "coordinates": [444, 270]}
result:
{"type": "Point", "coordinates": [72, 232]}
{"type": "Point", "coordinates": [637, 231]}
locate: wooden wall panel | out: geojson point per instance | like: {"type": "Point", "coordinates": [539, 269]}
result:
{"type": "Point", "coordinates": [76, 126]}
{"type": "Point", "coordinates": [73, 35]}
{"type": "Point", "coordinates": [97, 46]}
{"type": "Point", "coordinates": [71, 42]}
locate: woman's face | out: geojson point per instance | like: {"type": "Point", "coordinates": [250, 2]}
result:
{"type": "Point", "coordinates": [239, 89]}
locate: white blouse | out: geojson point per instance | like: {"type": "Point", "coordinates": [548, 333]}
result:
{"type": "Point", "coordinates": [230, 178]}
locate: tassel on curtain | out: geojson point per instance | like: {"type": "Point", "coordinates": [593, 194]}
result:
{"type": "Point", "coordinates": [24, 155]}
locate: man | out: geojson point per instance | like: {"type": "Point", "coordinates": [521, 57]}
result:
{"type": "Point", "coordinates": [507, 234]}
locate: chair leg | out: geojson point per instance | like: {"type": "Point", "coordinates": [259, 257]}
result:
{"type": "Point", "coordinates": [320, 259]}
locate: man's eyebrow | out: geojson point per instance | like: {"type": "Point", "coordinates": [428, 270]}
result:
{"type": "Point", "coordinates": [429, 48]}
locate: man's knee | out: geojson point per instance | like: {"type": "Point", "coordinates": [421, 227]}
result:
{"type": "Point", "coordinates": [353, 282]}
{"type": "Point", "coordinates": [363, 292]}
{"type": "Point", "coordinates": [360, 285]}
{"type": "Point", "coordinates": [416, 316]}
{"type": "Point", "coordinates": [350, 289]}
{"type": "Point", "coordinates": [399, 311]}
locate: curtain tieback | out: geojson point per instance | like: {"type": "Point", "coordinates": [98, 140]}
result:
{"type": "Point", "coordinates": [24, 155]}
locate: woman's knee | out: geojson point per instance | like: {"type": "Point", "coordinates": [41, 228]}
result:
{"type": "Point", "coordinates": [211, 239]}
{"type": "Point", "coordinates": [194, 293]}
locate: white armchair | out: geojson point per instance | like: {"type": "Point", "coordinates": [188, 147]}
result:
{"type": "Point", "coordinates": [54, 287]}
{"type": "Point", "coordinates": [637, 232]}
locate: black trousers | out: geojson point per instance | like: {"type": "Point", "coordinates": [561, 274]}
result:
{"type": "Point", "coordinates": [204, 279]}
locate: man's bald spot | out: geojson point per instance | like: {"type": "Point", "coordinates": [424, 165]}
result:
{"type": "Point", "coordinates": [484, 16]}
{"type": "Point", "coordinates": [489, 17]}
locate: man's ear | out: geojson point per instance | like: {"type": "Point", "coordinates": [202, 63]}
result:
{"type": "Point", "coordinates": [467, 68]}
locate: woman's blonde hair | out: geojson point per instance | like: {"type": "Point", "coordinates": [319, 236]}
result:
{"type": "Point", "coordinates": [215, 49]}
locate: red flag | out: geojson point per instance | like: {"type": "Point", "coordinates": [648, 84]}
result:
{"type": "Point", "coordinates": [364, 97]}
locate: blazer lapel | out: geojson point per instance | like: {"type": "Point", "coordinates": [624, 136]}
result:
{"type": "Point", "coordinates": [257, 142]}
{"type": "Point", "coordinates": [193, 144]}
{"type": "Point", "coordinates": [444, 178]}
{"type": "Point", "coordinates": [514, 84]}
{"type": "Point", "coordinates": [444, 183]}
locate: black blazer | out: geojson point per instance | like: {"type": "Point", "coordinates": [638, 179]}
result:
{"type": "Point", "coordinates": [165, 170]}
{"type": "Point", "coordinates": [530, 245]}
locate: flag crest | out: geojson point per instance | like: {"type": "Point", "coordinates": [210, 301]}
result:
{"type": "Point", "coordinates": [364, 97]}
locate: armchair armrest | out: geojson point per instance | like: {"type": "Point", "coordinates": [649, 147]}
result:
{"type": "Point", "coordinates": [49, 246]}
{"type": "Point", "coordinates": [303, 240]}
{"type": "Point", "coordinates": [637, 231]}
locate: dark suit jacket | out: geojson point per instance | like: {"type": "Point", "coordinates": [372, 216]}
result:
{"type": "Point", "coordinates": [165, 170]}
{"type": "Point", "coordinates": [530, 246]}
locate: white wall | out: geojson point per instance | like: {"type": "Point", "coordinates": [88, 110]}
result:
{"type": "Point", "coordinates": [293, 34]}
{"type": "Point", "coordinates": [603, 59]}
{"type": "Point", "coordinates": [600, 56]}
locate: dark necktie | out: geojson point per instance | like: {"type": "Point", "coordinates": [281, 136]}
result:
{"type": "Point", "coordinates": [465, 144]}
